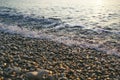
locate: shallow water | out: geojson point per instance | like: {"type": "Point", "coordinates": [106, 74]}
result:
{"type": "Point", "coordinates": [88, 23]}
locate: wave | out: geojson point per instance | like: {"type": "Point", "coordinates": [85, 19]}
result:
{"type": "Point", "coordinates": [55, 29]}
{"type": "Point", "coordinates": [60, 39]}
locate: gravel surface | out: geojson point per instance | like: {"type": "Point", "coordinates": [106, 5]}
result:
{"type": "Point", "coordinates": [20, 56]}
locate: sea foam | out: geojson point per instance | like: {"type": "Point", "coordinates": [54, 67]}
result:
{"type": "Point", "coordinates": [60, 39]}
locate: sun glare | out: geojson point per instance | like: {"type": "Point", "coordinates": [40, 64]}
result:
{"type": "Point", "coordinates": [99, 2]}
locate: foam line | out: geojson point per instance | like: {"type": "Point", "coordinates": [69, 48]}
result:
{"type": "Point", "coordinates": [61, 39]}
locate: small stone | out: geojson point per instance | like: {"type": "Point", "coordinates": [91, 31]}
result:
{"type": "Point", "coordinates": [14, 48]}
{"type": "Point", "coordinates": [89, 78]}
{"type": "Point", "coordinates": [5, 64]}
{"type": "Point", "coordinates": [1, 78]}
{"type": "Point", "coordinates": [39, 75]}
{"type": "Point", "coordinates": [17, 69]}
{"type": "Point", "coordinates": [78, 79]}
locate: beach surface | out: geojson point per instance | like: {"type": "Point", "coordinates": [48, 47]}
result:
{"type": "Point", "coordinates": [20, 55]}
{"type": "Point", "coordinates": [60, 40]}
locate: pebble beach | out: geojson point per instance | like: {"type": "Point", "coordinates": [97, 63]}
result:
{"type": "Point", "coordinates": [59, 39]}
{"type": "Point", "coordinates": [21, 55]}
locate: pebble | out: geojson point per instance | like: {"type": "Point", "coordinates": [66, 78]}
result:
{"type": "Point", "coordinates": [63, 78]}
{"type": "Point", "coordinates": [30, 59]}
{"type": "Point", "coordinates": [39, 75]}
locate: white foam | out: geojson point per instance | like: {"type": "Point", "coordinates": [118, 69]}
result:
{"type": "Point", "coordinates": [61, 39]}
{"type": "Point", "coordinates": [23, 31]}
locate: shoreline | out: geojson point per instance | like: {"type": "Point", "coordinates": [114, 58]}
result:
{"type": "Point", "coordinates": [20, 55]}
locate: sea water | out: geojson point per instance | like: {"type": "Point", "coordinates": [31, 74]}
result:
{"type": "Point", "coordinates": [85, 23]}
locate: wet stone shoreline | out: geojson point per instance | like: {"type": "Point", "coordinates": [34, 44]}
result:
{"type": "Point", "coordinates": [19, 56]}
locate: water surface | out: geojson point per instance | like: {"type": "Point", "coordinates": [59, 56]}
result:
{"type": "Point", "coordinates": [85, 23]}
